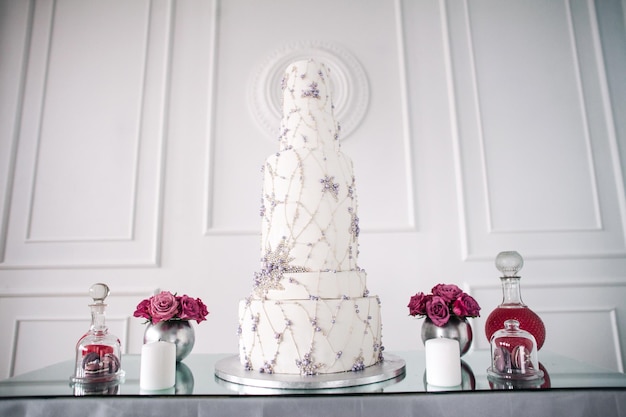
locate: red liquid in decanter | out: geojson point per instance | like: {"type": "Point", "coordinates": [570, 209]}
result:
{"type": "Point", "coordinates": [512, 306]}
{"type": "Point", "coordinates": [528, 320]}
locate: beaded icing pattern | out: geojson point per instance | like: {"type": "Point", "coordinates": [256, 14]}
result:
{"type": "Point", "coordinates": [311, 224]}
{"type": "Point", "coordinates": [275, 264]}
{"type": "Point", "coordinates": [309, 311]}
{"type": "Point", "coordinates": [311, 336]}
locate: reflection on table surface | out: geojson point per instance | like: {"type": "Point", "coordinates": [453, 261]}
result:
{"type": "Point", "coordinates": [196, 376]}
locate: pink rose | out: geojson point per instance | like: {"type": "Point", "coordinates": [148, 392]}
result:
{"type": "Point", "coordinates": [417, 304]}
{"type": "Point", "coordinates": [437, 310]}
{"type": "Point", "coordinates": [163, 306]}
{"type": "Point", "coordinates": [192, 309]}
{"type": "Point", "coordinates": [449, 292]}
{"type": "Point", "coordinates": [143, 310]}
{"type": "Point", "coordinates": [466, 306]}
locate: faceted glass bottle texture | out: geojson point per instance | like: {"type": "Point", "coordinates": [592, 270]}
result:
{"type": "Point", "coordinates": [98, 353]}
{"type": "Point", "coordinates": [512, 308]}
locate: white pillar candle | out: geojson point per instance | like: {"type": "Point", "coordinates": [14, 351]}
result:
{"type": "Point", "coordinates": [443, 362]}
{"type": "Point", "coordinates": [158, 366]}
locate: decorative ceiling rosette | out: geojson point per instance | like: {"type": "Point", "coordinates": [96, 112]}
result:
{"type": "Point", "coordinates": [349, 85]}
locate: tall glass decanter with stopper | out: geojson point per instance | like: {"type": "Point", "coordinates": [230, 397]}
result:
{"type": "Point", "coordinates": [509, 264]}
{"type": "Point", "coordinates": [98, 353]}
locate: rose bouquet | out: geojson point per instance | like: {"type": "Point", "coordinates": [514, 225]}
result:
{"type": "Point", "coordinates": [445, 301]}
{"type": "Point", "coordinates": [166, 306]}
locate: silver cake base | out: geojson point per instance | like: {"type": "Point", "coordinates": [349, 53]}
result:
{"type": "Point", "coordinates": [385, 373]}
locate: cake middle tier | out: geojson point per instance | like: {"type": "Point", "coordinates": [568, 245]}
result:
{"type": "Point", "coordinates": [309, 337]}
{"type": "Point", "coordinates": [309, 210]}
{"type": "Point", "coordinates": [311, 285]}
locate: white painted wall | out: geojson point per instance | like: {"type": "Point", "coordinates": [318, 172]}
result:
{"type": "Point", "coordinates": [132, 133]}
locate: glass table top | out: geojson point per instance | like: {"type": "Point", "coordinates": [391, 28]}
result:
{"type": "Point", "coordinates": [196, 376]}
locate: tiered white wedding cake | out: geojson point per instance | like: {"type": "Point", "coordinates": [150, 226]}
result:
{"type": "Point", "coordinates": [309, 312]}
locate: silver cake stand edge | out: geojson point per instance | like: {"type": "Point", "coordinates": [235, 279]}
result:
{"type": "Point", "coordinates": [230, 369]}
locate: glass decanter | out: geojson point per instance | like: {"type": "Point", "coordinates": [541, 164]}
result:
{"type": "Point", "coordinates": [512, 308]}
{"type": "Point", "coordinates": [98, 353]}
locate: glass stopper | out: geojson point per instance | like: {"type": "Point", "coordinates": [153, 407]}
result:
{"type": "Point", "coordinates": [511, 325]}
{"type": "Point", "coordinates": [509, 263]}
{"type": "Point", "coordinates": [99, 292]}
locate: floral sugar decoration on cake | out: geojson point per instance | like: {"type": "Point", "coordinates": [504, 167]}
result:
{"type": "Point", "coordinates": [166, 306]}
{"type": "Point", "coordinates": [445, 300]}
{"type": "Point", "coordinates": [307, 365]}
{"type": "Point", "coordinates": [275, 264]}
{"type": "Point", "coordinates": [329, 185]}
{"type": "Point", "coordinates": [312, 91]}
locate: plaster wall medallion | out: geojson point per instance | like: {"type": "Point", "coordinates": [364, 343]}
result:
{"type": "Point", "coordinates": [349, 85]}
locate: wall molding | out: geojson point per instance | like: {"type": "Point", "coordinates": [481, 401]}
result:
{"type": "Point", "coordinates": [70, 292]}
{"type": "Point", "coordinates": [124, 320]}
{"type": "Point", "coordinates": [554, 287]}
{"type": "Point", "coordinates": [611, 314]}
{"type": "Point", "coordinates": [478, 232]}
{"type": "Point", "coordinates": [349, 84]}
{"type": "Point", "coordinates": [265, 106]}
{"type": "Point", "coordinates": [21, 247]}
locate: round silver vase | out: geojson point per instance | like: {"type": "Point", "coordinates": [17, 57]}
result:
{"type": "Point", "coordinates": [456, 328]}
{"type": "Point", "coordinates": [178, 332]}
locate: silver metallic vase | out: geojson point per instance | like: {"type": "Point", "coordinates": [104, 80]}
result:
{"type": "Point", "coordinates": [178, 332]}
{"type": "Point", "coordinates": [456, 328]}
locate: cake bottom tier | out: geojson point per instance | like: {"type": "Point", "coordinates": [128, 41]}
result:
{"type": "Point", "coordinates": [309, 337]}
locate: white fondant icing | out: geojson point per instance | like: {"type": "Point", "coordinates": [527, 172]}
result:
{"type": "Point", "coordinates": [314, 224]}
{"type": "Point", "coordinates": [351, 91]}
{"type": "Point", "coordinates": [309, 312]}
{"type": "Point", "coordinates": [311, 285]}
{"type": "Point", "coordinates": [335, 333]}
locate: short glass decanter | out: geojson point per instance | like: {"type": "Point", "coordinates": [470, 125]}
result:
{"type": "Point", "coordinates": [509, 264]}
{"type": "Point", "coordinates": [98, 353]}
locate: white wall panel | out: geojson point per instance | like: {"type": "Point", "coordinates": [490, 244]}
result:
{"type": "Point", "coordinates": [486, 126]}
{"type": "Point", "coordinates": [536, 144]}
{"type": "Point", "coordinates": [43, 326]}
{"type": "Point", "coordinates": [88, 171]}
{"type": "Point", "coordinates": [56, 336]}
{"type": "Point", "coordinates": [379, 144]}
{"type": "Point", "coordinates": [581, 319]}
{"type": "Point", "coordinates": [600, 346]}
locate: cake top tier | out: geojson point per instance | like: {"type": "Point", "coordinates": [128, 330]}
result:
{"type": "Point", "coordinates": [308, 120]}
